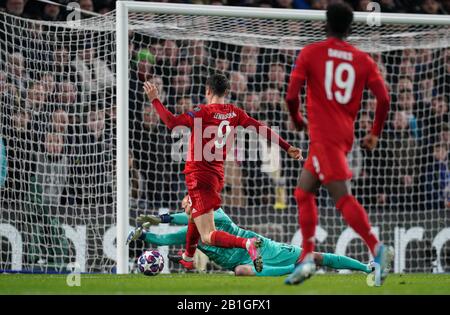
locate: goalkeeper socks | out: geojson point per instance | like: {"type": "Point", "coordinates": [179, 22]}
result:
{"type": "Point", "coordinates": [343, 262]}
{"type": "Point", "coordinates": [227, 240]}
{"type": "Point", "coordinates": [356, 217]}
{"type": "Point", "coordinates": [192, 237]}
{"type": "Point", "coordinates": [307, 219]}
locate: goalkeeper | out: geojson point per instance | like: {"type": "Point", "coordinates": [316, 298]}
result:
{"type": "Point", "coordinates": [279, 258]}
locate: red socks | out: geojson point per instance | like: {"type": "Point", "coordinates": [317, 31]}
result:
{"type": "Point", "coordinates": [192, 237]}
{"type": "Point", "coordinates": [307, 218]}
{"type": "Point", "coordinates": [227, 240]}
{"type": "Point", "coordinates": [356, 217]}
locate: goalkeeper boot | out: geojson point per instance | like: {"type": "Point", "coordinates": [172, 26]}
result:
{"type": "Point", "coordinates": [304, 270]}
{"type": "Point", "coordinates": [383, 261]}
{"type": "Point", "coordinates": [254, 246]}
{"type": "Point", "coordinates": [186, 261]}
{"type": "Point", "coordinates": [138, 233]}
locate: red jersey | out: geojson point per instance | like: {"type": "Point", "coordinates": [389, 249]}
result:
{"type": "Point", "coordinates": [213, 128]}
{"type": "Point", "coordinates": [336, 74]}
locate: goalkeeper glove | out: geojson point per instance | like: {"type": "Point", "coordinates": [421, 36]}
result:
{"type": "Point", "coordinates": [154, 220]}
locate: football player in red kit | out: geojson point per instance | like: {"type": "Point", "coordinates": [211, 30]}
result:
{"type": "Point", "coordinates": [336, 74]}
{"type": "Point", "coordinates": [213, 128]}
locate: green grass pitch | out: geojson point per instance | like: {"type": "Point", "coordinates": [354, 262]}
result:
{"type": "Point", "coordinates": [221, 284]}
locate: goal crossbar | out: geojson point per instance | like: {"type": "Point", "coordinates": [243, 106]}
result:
{"type": "Point", "coordinates": [282, 14]}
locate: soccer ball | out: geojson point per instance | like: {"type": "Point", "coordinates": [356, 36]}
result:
{"type": "Point", "coordinates": [150, 263]}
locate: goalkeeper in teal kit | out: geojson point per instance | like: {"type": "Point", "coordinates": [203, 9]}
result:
{"type": "Point", "coordinates": [279, 258]}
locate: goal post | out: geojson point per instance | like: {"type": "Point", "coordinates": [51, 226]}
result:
{"type": "Point", "coordinates": [126, 7]}
{"type": "Point", "coordinates": [122, 136]}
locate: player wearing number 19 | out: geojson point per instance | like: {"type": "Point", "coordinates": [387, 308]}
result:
{"type": "Point", "coordinates": [336, 74]}
{"type": "Point", "coordinates": [212, 130]}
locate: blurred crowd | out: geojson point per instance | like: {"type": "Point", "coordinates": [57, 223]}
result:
{"type": "Point", "coordinates": [57, 11]}
{"type": "Point", "coordinates": [58, 115]}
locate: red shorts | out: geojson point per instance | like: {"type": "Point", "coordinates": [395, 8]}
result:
{"type": "Point", "coordinates": [204, 189]}
{"type": "Point", "coordinates": [328, 163]}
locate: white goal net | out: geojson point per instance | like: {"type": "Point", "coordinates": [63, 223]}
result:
{"type": "Point", "coordinates": [58, 128]}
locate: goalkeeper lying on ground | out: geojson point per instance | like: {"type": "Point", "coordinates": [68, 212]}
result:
{"type": "Point", "coordinates": [279, 258]}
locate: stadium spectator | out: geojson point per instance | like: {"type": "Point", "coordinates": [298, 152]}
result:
{"type": "Point", "coordinates": [253, 76]}
{"type": "Point", "coordinates": [431, 7]}
{"type": "Point", "coordinates": [93, 72]}
{"type": "Point", "coordinates": [156, 80]}
{"type": "Point", "coordinates": [238, 87]}
{"type": "Point", "coordinates": [407, 69]}
{"type": "Point", "coordinates": [426, 90]}
{"type": "Point", "coordinates": [185, 66]}
{"type": "Point", "coordinates": [437, 178]}
{"type": "Point", "coordinates": [68, 100]}
{"type": "Point", "coordinates": [389, 6]}
{"type": "Point", "coordinates": [47, 80]}
{"type": "Point", "coordinates": [60, 122]}
{"type": "Point", "coordinates": [171, 52]}
{"type": "Point", "coordinates": [362, 5]}
{"type": "Point", "coordinates": [88, 6]}
{"type": "Point", "coordinates": [439, 111]}
{"type": "Point", "coordinates": [276, 77]}
{"type": "Point", "coordinates": [200, 59]}
{"type": "Point", "coordinates": [136, 181]}
{"type": "Point", "coordinates": [222, 65]}
{"type": "Point", "coordinates": [36, 105]}
{"type": "Point", "coordinates": [91, 164]}
{"type": "Point", "coordinates": [15, 7]}
{"type": "Point", "coordinates": [252, 104]}
{"type": "Point", "coordinates": [51, 12]}
{"type": "Point", "coordinates": [400, 174]}
{"type": "Point", "coordinates": [319, 4]}
{"type": "Point", "coordinates": [151, 144]}
{"type": "Point", "coordinates": [284, 4]}
{"type": "Point", "coordinates": [233, 193]}
{"type": "Point", "coordinates": [17, 133]}
{"type": "Point", "coordinates": [180, 86]}
{"type": "Point", "coordinates": [52, 169]}
{"type": "Point", "coordinates": [271, 103]}
{"type": "Point", "coordinates": [144, 67]}
{"type": "Point", "coordinates": [158, 51]}
{"type": "Point", "coordinates": [18, 74]}
{"type": "Point", "coordinates": [184, 104]}
{"type": "Point", "coordinates": [405, 102]}
{"type": "Point", "coordinates": [249, 53]}
{"type": "Point", "coordinates": [445, 6]}
{"type": "Point", "coordinates": [368, 182]}
{"type": "Point", "coordinates": [62, 67]}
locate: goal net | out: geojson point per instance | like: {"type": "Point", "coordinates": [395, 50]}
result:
{"type": "Point", "coordinates": [58, 126]}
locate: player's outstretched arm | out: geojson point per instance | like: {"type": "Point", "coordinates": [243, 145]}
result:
{"type": "Point", "coordinates": [379, 89]}
{"type": "Point", "coordinates": [169, 119]}
{"type": "Point", "coordinates": [296, 82]}
{"type": "Point", "coordinates": [180, 218]}
{"type": "Point", "coordinates": [272, 136]}
{"type": "Point", "coordinates": [177, 238]}
{"type": "Point", "coordinates": [293, 102]}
